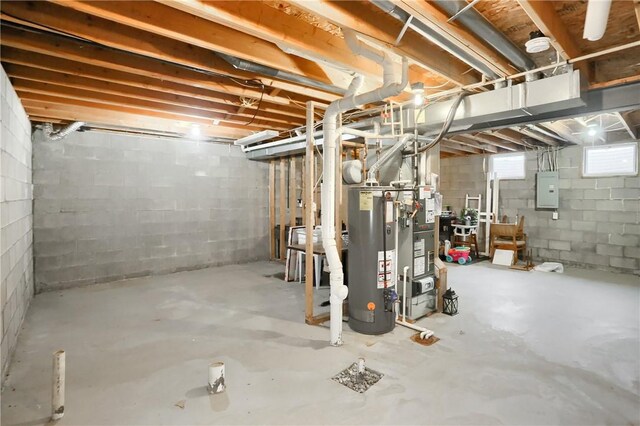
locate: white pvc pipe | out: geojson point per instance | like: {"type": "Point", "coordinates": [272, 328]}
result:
{"type": "Point", "coordinates": [425, 333]}
{"type": "Point", "coordinates": [338, 291]}
{"type": "Point", "coordinates": [216, 377]}
{"type": "Point", "coordinates": [595, 23]}
{"type": "Point", "coordinates": [57, 400]}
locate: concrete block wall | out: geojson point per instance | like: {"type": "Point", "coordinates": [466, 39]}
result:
{"type": "Point", "coordinates": [16, 236]}
{"type": "Point", "coordinates": [599, 218]}
{"type": "Point", "coordinates": [109, 207]}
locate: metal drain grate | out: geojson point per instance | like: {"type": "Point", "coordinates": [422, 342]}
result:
{"type": "Point", "coordinates": [350, 378]}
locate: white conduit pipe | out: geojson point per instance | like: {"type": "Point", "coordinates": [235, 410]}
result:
{"type": "Point", "coordinates": [330, 127]}
{"type": "Point", "coordinates": [425, 333]}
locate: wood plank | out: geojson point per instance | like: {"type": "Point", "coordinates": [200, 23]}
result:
{"type": "Point", "coordinates": [383, 29]}
{"type": "Point", "coordinates": [495, 141]}
{"type": "Point", "coordinates": [539, 137]}
{"type": "Point", "coordinates": [272, 208]}
{"type": "Point", "coordinates": [267, 23]}
{"type": "Point", "coordinates": [71, 106]}
{"type": "Point", "coordinates": [309, 215]}
{"type": "Point", "coordinates": [174, 24]}
{"type": "Point", "coordinates": [563, 131]}
{"type": "Point", "coordinates": [283, 207]}
{"type": "Point", "coordinates": [293, 191]}
{"type": "Point", "coordinates": [78, 82]}
{"type": "Point", "coordinates": [510, 135]}
{"type": "Point", "coordinates": [462, 147]}
{"type": "Point", "coordinates": [471, 143]}
{"type": "Point", "coordinates": [85, 53]}
{"type": "Point", "coordinates": [128, 39]}
{"type": "Point", "coordinates": [183, 113]}
{"type": "Point", "coordinates": [103, 116]}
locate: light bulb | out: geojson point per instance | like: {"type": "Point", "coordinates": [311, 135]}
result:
{"type": "Point", "coordinates": [418, 99]}
{"type": "Point", "coordinates": [592, 131]}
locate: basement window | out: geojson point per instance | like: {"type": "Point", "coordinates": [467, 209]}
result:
{"type": "Point", "coordinates": [507, 166]}
{"type": "Point", "coordinates": [610, 160]}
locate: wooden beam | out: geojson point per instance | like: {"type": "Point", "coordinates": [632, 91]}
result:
{"type": "Point", "coordinates": [454, 151]}
{"type": "Point", "coordinates": [458, 146]}
{"type": "Point", "coordinates": [563, 131]}
{"type": "Point", "coordinates": [616, 82]}
{"type": "Point", "coordinates": [59, 104]}
{"type": "Point", "coordinates": [472, 143]}
{"type": "Point", "coordinates": [628, 125]}
{"type": "Point", "coordinates": [293, 191]}
{"type": "Point", "coordinates": [539, 137]}
{"type": "Point", "coordinates": [134, 40]}
{"type": "Point", "coordinates": [457, 35]}
{"type": "Point", "coordinates": [152, 107]}
{"type": "Point", "coordinates": [636, 6]}
{"type": "Point", "coordinates": [495, 141]}
{"type": "Point", "coordinates": [272, 208]}
{"type": "Point", "coordinates": [173, 24]}
{"type": "Point", "coordinates": [283, 208]}
{"type": "Point", "coordinates": [361, 17]}
{"type": "Point", "coordinates": [60, 47]}
{"type": "Point", "coordinates": [71, 81]}
{"type": "Point", "coordinates": [268, 23]}
{"type": "Point", "coordinates": [102, 116]}
{"type": "Point", "coordinates": [544, 16]}
{"type": "Point", "coordinates": [510, 135]}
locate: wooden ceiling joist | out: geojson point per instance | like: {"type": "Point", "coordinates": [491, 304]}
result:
{"type": "Point", "coordinates": [162, 20]}
{"type": "Point", "coordinates": [544, 16]}
{"type": "Point", "coordinates": [32, 87]}
{"type": "Point", "coordinates": [130, 39]}
{"type": "Point", "coordinates": [268, 23]}
{"type": "Point", "coordinates": [34, 60]}
{"type": "Point", "coordinates": [539, 137]}
{"type": "Point", "coordinates": [360, 17]}
{"type": "Point", "coordinates": [457, 35]}
{"type": "Point", "coordinates": [472, 143]}
{"type": "Point", "coordinates": [494, 141]}
{"type": "Point", "coordinates": [47, 105]}
{"type": "Point", "coordinates": [72, 81]}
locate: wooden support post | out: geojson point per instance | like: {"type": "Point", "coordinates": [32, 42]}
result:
{"type": "Point", "coordinates": [272, 208]}
{"type": "Point", "coordinates": [293, 192]}
{"type": "Point", "coordinates": [304, 190]}
{"type": "Point", "coordinates": [283, 207]}
{"type": "Point", "coordinates": [308, 201]}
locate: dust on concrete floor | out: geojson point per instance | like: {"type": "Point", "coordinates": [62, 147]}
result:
{"type": "Point", "coordinates": [526, 348]}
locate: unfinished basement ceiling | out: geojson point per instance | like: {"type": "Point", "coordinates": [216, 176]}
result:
{"type": "Point", "coordinates": [172, 67]}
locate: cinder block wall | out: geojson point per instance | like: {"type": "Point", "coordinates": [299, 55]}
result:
{"type": "Point", "coordinates": [16, 236]}
{"type": "Point", "coordinates": [599, 218]}
{"type": "Point", "coordinates": [109, 207]}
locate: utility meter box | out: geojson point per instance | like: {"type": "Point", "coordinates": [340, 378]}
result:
{"type": "Point", "coordinates": [547, 190]}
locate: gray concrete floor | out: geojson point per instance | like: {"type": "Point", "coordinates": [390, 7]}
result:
{"type": "Point", "coordinates": [527, 348]}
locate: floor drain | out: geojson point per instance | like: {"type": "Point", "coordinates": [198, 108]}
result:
{"type": "Point", "coordinates": [358, 382]}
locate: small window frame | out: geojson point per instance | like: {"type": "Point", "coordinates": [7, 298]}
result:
{"type": "Point", "coordinates": [513, 154]}
{"type": "Point", "coordinates": [587, 149]}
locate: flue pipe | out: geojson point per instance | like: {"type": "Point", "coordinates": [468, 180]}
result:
{"type": "Point", "coordinates": [47, 130]}
{"type": "Point", "coordinates": [330, 127]}
{"type": "Point", "coordinates": [398, 146]}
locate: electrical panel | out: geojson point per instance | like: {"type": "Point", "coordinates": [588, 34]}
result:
{"type": "Point", "coordinates": [547, 190]}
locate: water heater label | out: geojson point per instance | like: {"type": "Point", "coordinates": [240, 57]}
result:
{"type": "Point", "coordinates": [366, 201]}
{"type": "Point", "coordinates": [387, 279]}
{"type": "Point", "coordinates": [418, 266]}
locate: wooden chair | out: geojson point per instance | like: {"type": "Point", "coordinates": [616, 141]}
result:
{"type": "Point", "coordinates": [507, 236]}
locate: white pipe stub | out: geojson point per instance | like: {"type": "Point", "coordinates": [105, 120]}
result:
{"type": "Point", "coordinates": [216, 378]}
{"type": "Point", "coordinates": [57, 400]}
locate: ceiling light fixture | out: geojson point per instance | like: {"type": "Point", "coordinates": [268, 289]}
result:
{"type": "Point", "coordinates": [418, 93]}
{"type": "Point", "coordinates": [537, 42]}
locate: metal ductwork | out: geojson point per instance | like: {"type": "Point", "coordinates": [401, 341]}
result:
{"type": "Point", "coordinates": [433, 36]}
{"type": "Point", "coordinates": [254, 67]}
{"type": "Point", "coordinates": [485, 31]}
{"type": "Point", "coordinates": [49, 134]}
